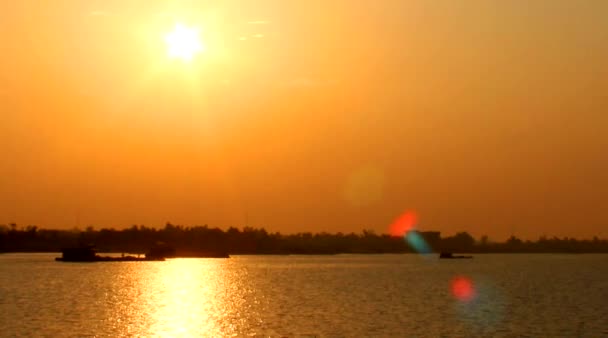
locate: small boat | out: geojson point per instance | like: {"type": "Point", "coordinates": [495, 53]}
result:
{"type": "Point", "coordinates": [88, 254]}
{"type": "Point", "coordinates": [449, 255]}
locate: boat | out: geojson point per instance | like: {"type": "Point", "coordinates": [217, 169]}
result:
{"type": "Point", "coordinates": [88, 254]}
{"type": "Point", "coordinates": [449, 255]}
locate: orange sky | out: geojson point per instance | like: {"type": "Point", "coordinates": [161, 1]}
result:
{"type": "Point", "coordinates": [307, 115]}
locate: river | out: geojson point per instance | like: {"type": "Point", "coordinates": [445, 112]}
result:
{"type": "Point", "coordinates": [407, 295]}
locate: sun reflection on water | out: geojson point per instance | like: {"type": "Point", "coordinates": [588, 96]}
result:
{"type": "Point", "coordinates": [186, 299]}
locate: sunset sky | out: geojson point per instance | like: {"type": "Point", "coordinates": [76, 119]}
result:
{"type": "Point", "coordinates": [305, 115]}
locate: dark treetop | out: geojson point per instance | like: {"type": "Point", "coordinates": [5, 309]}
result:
{"type": "Point", "coordinates": [138, 239]}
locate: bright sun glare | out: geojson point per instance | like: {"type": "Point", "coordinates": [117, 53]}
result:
{"type": "Point", "coordinates": [183, 42]}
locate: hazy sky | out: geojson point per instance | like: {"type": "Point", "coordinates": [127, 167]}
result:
{"type": "Point", "coordinates": [307, 115]}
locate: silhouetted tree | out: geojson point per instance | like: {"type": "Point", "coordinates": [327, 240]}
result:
{"type": "Point", "coordinates": [249, 240]}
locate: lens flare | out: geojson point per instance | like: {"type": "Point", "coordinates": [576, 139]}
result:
{"type": "Point", "coordinates": [403, 224]}
{"type": "Point", "coordinates": [417, 242]}
{"type": "Point", "coordinates": [481, 306]}
{"type": "Point", "coordinates": [365, 186]}
{"type": "Point", "coordinates": [463, 289]}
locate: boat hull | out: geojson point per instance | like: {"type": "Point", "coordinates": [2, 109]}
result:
{"type": "Point", "coordinates": [449, 255]}
{"type": "Point", "coordinates": [109, 259]}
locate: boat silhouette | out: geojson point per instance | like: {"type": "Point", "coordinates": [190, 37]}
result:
{"type": "Point", "coordinates": [158, 252]}
{"type": "Point", "coordinates": [449, 255]}
{"type": "Point", "coordinates": [89, 254]}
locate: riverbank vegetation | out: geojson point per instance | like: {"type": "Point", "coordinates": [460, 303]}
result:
{"type": "Point", "coordinates": [248, 240]}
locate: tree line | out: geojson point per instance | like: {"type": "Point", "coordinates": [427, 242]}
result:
{"type": "Point", "coordinates": [249, 240]}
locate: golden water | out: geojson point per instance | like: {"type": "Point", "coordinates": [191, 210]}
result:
{"type": "Point", "coordinates": [333, 296]}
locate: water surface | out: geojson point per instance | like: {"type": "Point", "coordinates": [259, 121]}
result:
{"type": "Point", "coordinates": [304, 296]}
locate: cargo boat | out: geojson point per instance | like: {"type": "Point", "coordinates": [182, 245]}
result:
{"type": "Point", "coordinates": [449, 255]}
{"type": "Point", "coordinates": [88, 254]}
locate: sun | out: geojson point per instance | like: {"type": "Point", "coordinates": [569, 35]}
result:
{"type": "Point", "coordinates": [183, 43]}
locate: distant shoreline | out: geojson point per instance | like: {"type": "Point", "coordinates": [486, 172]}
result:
{"type": "Point", "coordinates": [338, 254]}
{"type": "Point", "coordinates": [193, 241]}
